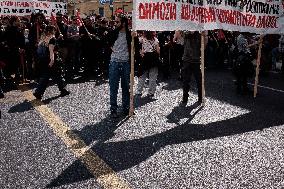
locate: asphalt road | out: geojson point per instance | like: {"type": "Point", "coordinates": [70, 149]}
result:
{"type": "Point", "coordinates": [233, 141]}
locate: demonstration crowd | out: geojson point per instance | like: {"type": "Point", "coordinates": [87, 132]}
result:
{"type": "Point", "coordinates": [63, 48]}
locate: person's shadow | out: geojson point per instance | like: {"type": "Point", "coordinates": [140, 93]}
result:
{"type": "Point", "coordinates": [29, 105]}
{"type": "Point", "coordinates": [125, 154]}
{"type": "Point", "coordinates": [140, 101]}
{"type": "Point", "coordinates": [184, 112]}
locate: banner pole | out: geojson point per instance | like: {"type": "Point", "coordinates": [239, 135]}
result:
{"type": "Point", "coordinates": [23, 66]}
{"type": "Point", "coordinates": [131, 108]}
{"type": "Point", "coordinates": [202, 66]}
{"type": "Point", "coordinates": [257, 66]}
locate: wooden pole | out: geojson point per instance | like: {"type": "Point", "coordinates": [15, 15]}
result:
{"type": "Point", "coordinates": [257, 66]}
{"type": "Point", "coordinates": [22, 59]}
{"type": "Point", "coordinates": [131, 108]}
{"type": "Point", "coordinates": [202, 66]}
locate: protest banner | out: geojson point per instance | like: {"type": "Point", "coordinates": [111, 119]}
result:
{"type": "Point", "coordinates": [27, 7]}
{"type": "Point", "coordinates": [254, 16]}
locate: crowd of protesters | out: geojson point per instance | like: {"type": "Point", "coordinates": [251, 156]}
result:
{"type": "Point", "coordinates": [62, 47]}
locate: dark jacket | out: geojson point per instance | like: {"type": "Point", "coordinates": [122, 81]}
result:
{"type": "Point", "coordinates": [113, 37]}
{"type": "Point", "coordinates": [192, 48]}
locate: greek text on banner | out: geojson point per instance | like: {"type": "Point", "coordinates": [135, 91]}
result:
{"type": "Point", "coordinates": [26, 7]}
{"type": "Point", "coordinates": [255, 16]}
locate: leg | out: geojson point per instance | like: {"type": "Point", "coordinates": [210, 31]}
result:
{"type": "Point", "coordinates": [43, 82]}
{"type": "Point", "coordinates": [59, 80]}
{"type": "Point", "coordinates": [125, 81]}
{"type": "Point", "coordinates": [274, 54]}
{"type": "Point", "coordinates": [141, 82]}
{"type": "Point", "coordinates": [113, 84]}
{"type": "Point", "coordinates": [198, 79]}
{"type": "Point", "coordinates": [153, 74]}
{"type": "Point", "coordinates": [1, 81]}
{"type": "Point", "coordinates": [244, 84]}
{"type": "Point", "coordinates": [186, 75]}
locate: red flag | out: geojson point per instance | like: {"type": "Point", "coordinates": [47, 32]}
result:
{"type": "Point", "coordinates": [79, 20]}
{"type": "Point", "coordinates": [53, 19]}
{"type": "Point", "coordinates": [119, 11]}
{"type": "Point", "coordinates": [65, 20]}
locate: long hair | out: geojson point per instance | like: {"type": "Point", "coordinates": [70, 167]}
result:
{"type": "Point", "coordinates": [124, 20]}
{"type": "Point", "coordinates": [149, 35]}
{"type": "Point", "coordinates": [49, 31]}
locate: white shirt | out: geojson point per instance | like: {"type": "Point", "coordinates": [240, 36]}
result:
{"type": "Point", "coordinates": [149, 45]}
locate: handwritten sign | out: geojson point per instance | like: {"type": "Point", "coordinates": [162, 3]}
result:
{"type": "Point", "coordinates": [26, 7]}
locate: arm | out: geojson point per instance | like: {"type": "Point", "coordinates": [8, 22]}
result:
{"type": "Point", "coordinates": [158, 48]}
{"type": "Point", "coordinates": [176, 36]}
{"type": "Point", "coordinates": [255, 43]}
{"type": "Point", "coordinates": [51, 54]}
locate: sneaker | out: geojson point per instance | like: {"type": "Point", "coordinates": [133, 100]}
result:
{"type": "Point", "coordinates": [37, 95]}
{"type": "Point", "coordinates": [183, 103]}
{"type": "Point", "coordinates": [184, 100]}
{"type": "Point", "coordinates": [139, 94]}
{"type": "Point", "coordinates": [126, 112]}
{"type": "Point", "coordinates": [199, 102]}
{"type": "Point", "coordinates": [64, 92]}
{"type": "Point", "coordinates": [113, 114]}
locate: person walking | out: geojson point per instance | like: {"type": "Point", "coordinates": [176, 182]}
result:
{"type": "Point", "coordinates": [49, 63]}
{"type": "Point", "coordinates": [191, 64]}
{"type": "Point", "coordinates": [150, 53]}
{"type": "Point", "coordinates": [119, 67]}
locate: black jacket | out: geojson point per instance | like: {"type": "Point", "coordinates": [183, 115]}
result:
{"type": "Point", "coordinates": [113, 37]}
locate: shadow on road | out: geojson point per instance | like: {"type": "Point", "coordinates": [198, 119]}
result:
{"type": "Point", "coordinates": [264, 112]}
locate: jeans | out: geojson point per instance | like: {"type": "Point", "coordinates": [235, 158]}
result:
{"type": "Point", "coordinates": [119, 71]}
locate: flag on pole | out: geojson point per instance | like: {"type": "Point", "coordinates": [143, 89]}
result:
{"type": "Point", "coordinates": [53, 19]}
{"type": "Point", "coordinates": [65, 20]}
{"type": "Point", "coordinates": [79, 20]}
{"type": "Point", "coordinates": [119, 11]}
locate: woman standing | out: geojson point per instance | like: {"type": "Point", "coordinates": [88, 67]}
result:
{"type": "Point", "coordinates": [49, 63]}
{"type": "Point", "coordinates": [150, 53]}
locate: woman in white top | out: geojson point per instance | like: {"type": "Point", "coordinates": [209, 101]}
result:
{"type": "Point", "coordinates": [150, 57]}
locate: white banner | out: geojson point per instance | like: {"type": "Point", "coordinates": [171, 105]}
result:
{"type": "Point", "coordinates": [255, 16]}
{"type": "Point", "coordinates": [26, 7]}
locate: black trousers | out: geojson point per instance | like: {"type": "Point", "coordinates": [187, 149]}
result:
{"type": "Point", "coordinates": [187, 71]}
{"type": "Point", "coordinates": [56, 74]}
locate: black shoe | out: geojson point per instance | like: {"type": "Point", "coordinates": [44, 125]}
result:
{"type": "Point", "coordinates": [151, 95]}
{"type": "Point", "coordinates": [126, 112]}
{"type": "Point", "coordinates": [199, 102]}
{"type": "Point", "coordinates": [139, 94]}
{"type": "Point", "coordinates": [1, 95]}
{"type": "Point", "coordinates": [37, 95]}
{"type": "Point", "coordinates": [113, 114]}
{"type": "Point", "coordinates": [64, 92]}
{"type": "Point", "coordinates": [184, 100]}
